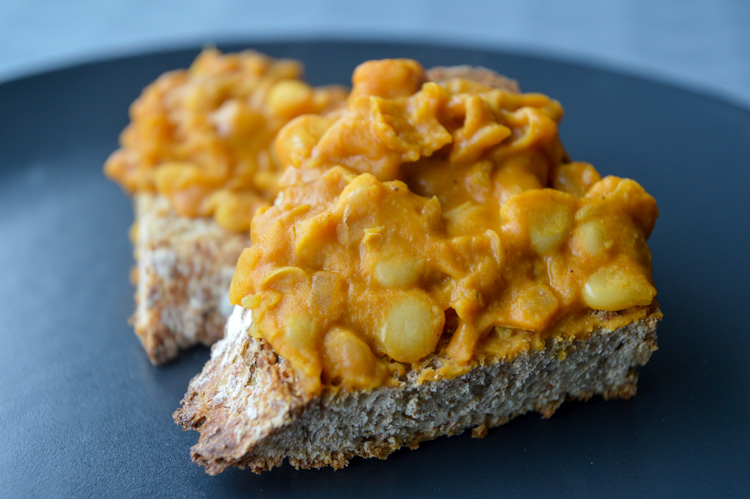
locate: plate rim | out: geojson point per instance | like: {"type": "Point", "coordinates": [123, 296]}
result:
{"type": "Point", "coordinates": [81, 62]}
{"type": "Point", "coordinates": [49, 76]}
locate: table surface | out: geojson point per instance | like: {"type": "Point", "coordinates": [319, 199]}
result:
{"type": "Point", "coordinates": [698, 44]}
{"type": "Point", "coordinates": [83, 411]}
{"type": "Point", "coordinates": [691, 44]}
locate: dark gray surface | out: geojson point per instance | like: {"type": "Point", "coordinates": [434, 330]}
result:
{"type": "Point", "coordinates": [83, 412]}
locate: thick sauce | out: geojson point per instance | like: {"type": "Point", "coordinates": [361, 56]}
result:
{"type": "Point", "coordinates": [439, 221]}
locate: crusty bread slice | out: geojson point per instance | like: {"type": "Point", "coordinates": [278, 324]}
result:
{"type": "Point", "coordinates": [251, 412]}
{"type": "Point", "coordinates": [183, 270]}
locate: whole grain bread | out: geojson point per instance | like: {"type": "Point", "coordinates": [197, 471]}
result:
{"type": "Point", "coordinates": [250, 411]}
{"type": "Point", "coordinates": [182, 275]}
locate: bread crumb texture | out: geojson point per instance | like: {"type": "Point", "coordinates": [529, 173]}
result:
{"type": "Point", "coordinates": [252, 411]}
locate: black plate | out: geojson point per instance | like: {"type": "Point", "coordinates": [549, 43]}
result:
{"type": "Point", "coordinates": [82, 410]}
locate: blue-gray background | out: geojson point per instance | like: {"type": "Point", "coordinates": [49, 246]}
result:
{"type": "Point", "coordinates": [698, 44]}
{"type": "Point", "coordinates": [83, 412]}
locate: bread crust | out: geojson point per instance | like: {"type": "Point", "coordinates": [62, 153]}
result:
{"type": "Point", "coordinates": [250, 411]}
{"type": "Point", "coordinates": [475, 73]}
{"type": "Point", "coordinates": [182, 275]}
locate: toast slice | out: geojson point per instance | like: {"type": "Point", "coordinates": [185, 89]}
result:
{"type": "Point", "coordinates": [183, 270]}
{"type": "Point", "coordinates": [250, 411]}
{"type": "Point", "coordinates": [254, 407]}
{"type": "Point", "coordinates": [196, 159]}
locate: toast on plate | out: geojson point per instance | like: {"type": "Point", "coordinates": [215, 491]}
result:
{"type": "Point", "coordinates": [196, 158]}
{"type": "Point", "coordinates": [433, 262]}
